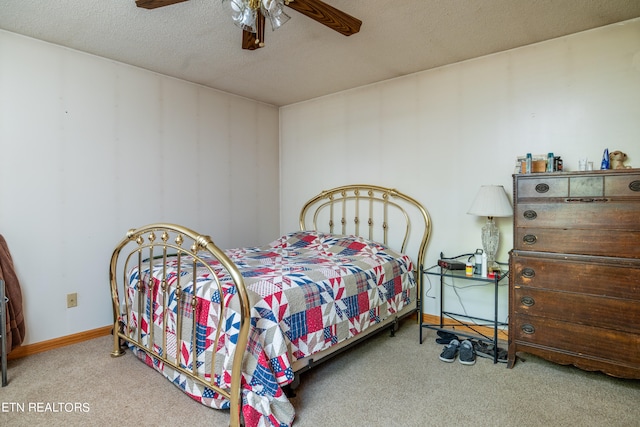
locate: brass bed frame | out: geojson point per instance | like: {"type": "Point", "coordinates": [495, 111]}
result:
{"type": "Point", "coordinates": [382, 210]}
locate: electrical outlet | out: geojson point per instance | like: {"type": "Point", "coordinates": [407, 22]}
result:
{"type": "Point", "coordinates": [72, 300]}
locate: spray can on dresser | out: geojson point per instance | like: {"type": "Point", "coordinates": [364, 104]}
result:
{"type": "Point", "coordinates": [605, 160]}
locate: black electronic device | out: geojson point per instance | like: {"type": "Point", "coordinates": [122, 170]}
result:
{"type": "Point", "coordinates": [451, 264]}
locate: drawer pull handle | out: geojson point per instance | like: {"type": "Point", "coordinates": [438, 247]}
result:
{"type": "Point", "coordinates": [529, 239]}
{"type": "Point", "coordinates": [588, 200]}
{"type": "Point", "coordinates": [530, 214]}
{"type": "Point", "coordinates": [528, 329]}
{"type": "Point", "coordinates": [527, 301]}
{"type": "Point", "coordinates": [528, 272]}
{"type": "Point", "coordinates": [634, 185]}
{"type": "Point", "coordinates": [542, 188]}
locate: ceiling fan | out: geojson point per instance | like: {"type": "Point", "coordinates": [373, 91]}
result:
{"type": "Point", "coordinates": [253, 33]}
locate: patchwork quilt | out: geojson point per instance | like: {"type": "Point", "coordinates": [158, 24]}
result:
{"type": "Point", "coordinates": [308, 291]}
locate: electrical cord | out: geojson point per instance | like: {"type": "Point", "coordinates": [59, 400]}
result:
{"type": "Point", "coordinates": [456, 288]}
{"type": "Point", "coordinates": [426, 293]}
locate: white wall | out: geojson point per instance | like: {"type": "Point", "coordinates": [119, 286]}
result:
{"type": "Point", "coordinates": [90, 148]}
{"type": "Point", "coordinates": [438, 135]}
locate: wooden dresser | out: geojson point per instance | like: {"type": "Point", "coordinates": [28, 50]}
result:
{"type": "Point", "coordinates": [574, 286]}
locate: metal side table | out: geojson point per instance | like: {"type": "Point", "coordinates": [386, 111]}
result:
{"type": "Point", "coordinates": [465, 320]}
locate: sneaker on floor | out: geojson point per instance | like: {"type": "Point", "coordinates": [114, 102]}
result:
{"type": "Point", "coordinates": [446, 340]}
{"type": "Point", "coordinates": [450, 351]}
{"type": "Point", "coordinates": [467, 354]}
{"type": "Point", "coordinates": [445, 337]}
{"type": "Point", "coordinates": [445, 334]}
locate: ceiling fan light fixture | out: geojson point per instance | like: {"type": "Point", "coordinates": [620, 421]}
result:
{"type": "Point", "coordinates": [250, 15]}
{"type": "Point", "coordinates": [248, 21]}
{"type": "Point", "coordinates": [277, 17]}
{"type": "Point", "coordinates": [243, 14]}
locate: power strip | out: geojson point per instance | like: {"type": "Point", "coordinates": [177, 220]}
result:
{"type": "Point", "coordinates": [451, 264]}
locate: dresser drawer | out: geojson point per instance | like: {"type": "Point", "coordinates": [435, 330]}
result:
{"type": "Point", "coordinates": [543, 186]}
{"type": "Point", "coordinates": [599, 276]}
{"type": "Point", "coordinates": [580, 213]}
{"type": "Point", "coordinates": [590, 310]}
{"type": "Point", "coordinates": [580, 340]}
{"type": "Point", "coordinates": [622, 185]}
{"type": "Point", "coordinates": [622, 243]}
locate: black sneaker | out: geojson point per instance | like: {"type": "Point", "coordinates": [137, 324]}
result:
{"type": "Point", "coordinates": [446, 337]}
{"type": "Point", "coordinates": [467, 354]}
{"type": "Point", "coordinates": [450, 351]}
{"type": "Point", "coordinates": [445, 334]}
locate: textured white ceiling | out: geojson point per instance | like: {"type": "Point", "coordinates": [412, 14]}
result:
{"type": "Point", "coordinates": [196, 41]}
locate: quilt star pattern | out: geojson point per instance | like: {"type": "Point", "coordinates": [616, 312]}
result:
{"type": "Point", "coordinates": [308, 291]}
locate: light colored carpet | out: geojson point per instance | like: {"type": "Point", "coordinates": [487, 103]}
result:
{"type": "Point", "coordinates": [386, 381]}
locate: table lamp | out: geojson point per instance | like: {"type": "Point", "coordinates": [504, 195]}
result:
{"type": "Point", "coordinates": [491, 201]}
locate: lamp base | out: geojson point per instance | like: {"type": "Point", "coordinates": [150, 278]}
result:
{"type": "Point", "coordinates": [490, 240]}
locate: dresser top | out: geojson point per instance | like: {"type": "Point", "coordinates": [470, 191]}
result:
{"type": "Point", "coordinates": [574, 173]}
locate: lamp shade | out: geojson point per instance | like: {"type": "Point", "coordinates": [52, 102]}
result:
{"type": "Point", "coordinates": [491, 201]}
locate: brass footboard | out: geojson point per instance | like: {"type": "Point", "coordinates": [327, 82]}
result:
{"type": "Point", "coordinates": [153, 246]}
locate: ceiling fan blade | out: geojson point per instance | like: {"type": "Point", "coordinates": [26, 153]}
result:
{"type": "Point", "coordinates": [153, 4]}
{"type": "Point", "coordinates": [253, 41]}
{"type": "Point", "coordinates": [330, 16]}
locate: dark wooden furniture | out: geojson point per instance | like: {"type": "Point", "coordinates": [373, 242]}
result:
{"type": "Point", "coordinates": [574, 287]}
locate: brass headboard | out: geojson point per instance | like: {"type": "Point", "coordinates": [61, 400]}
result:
{"type": "Point", "coordinates": [376, 213]}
